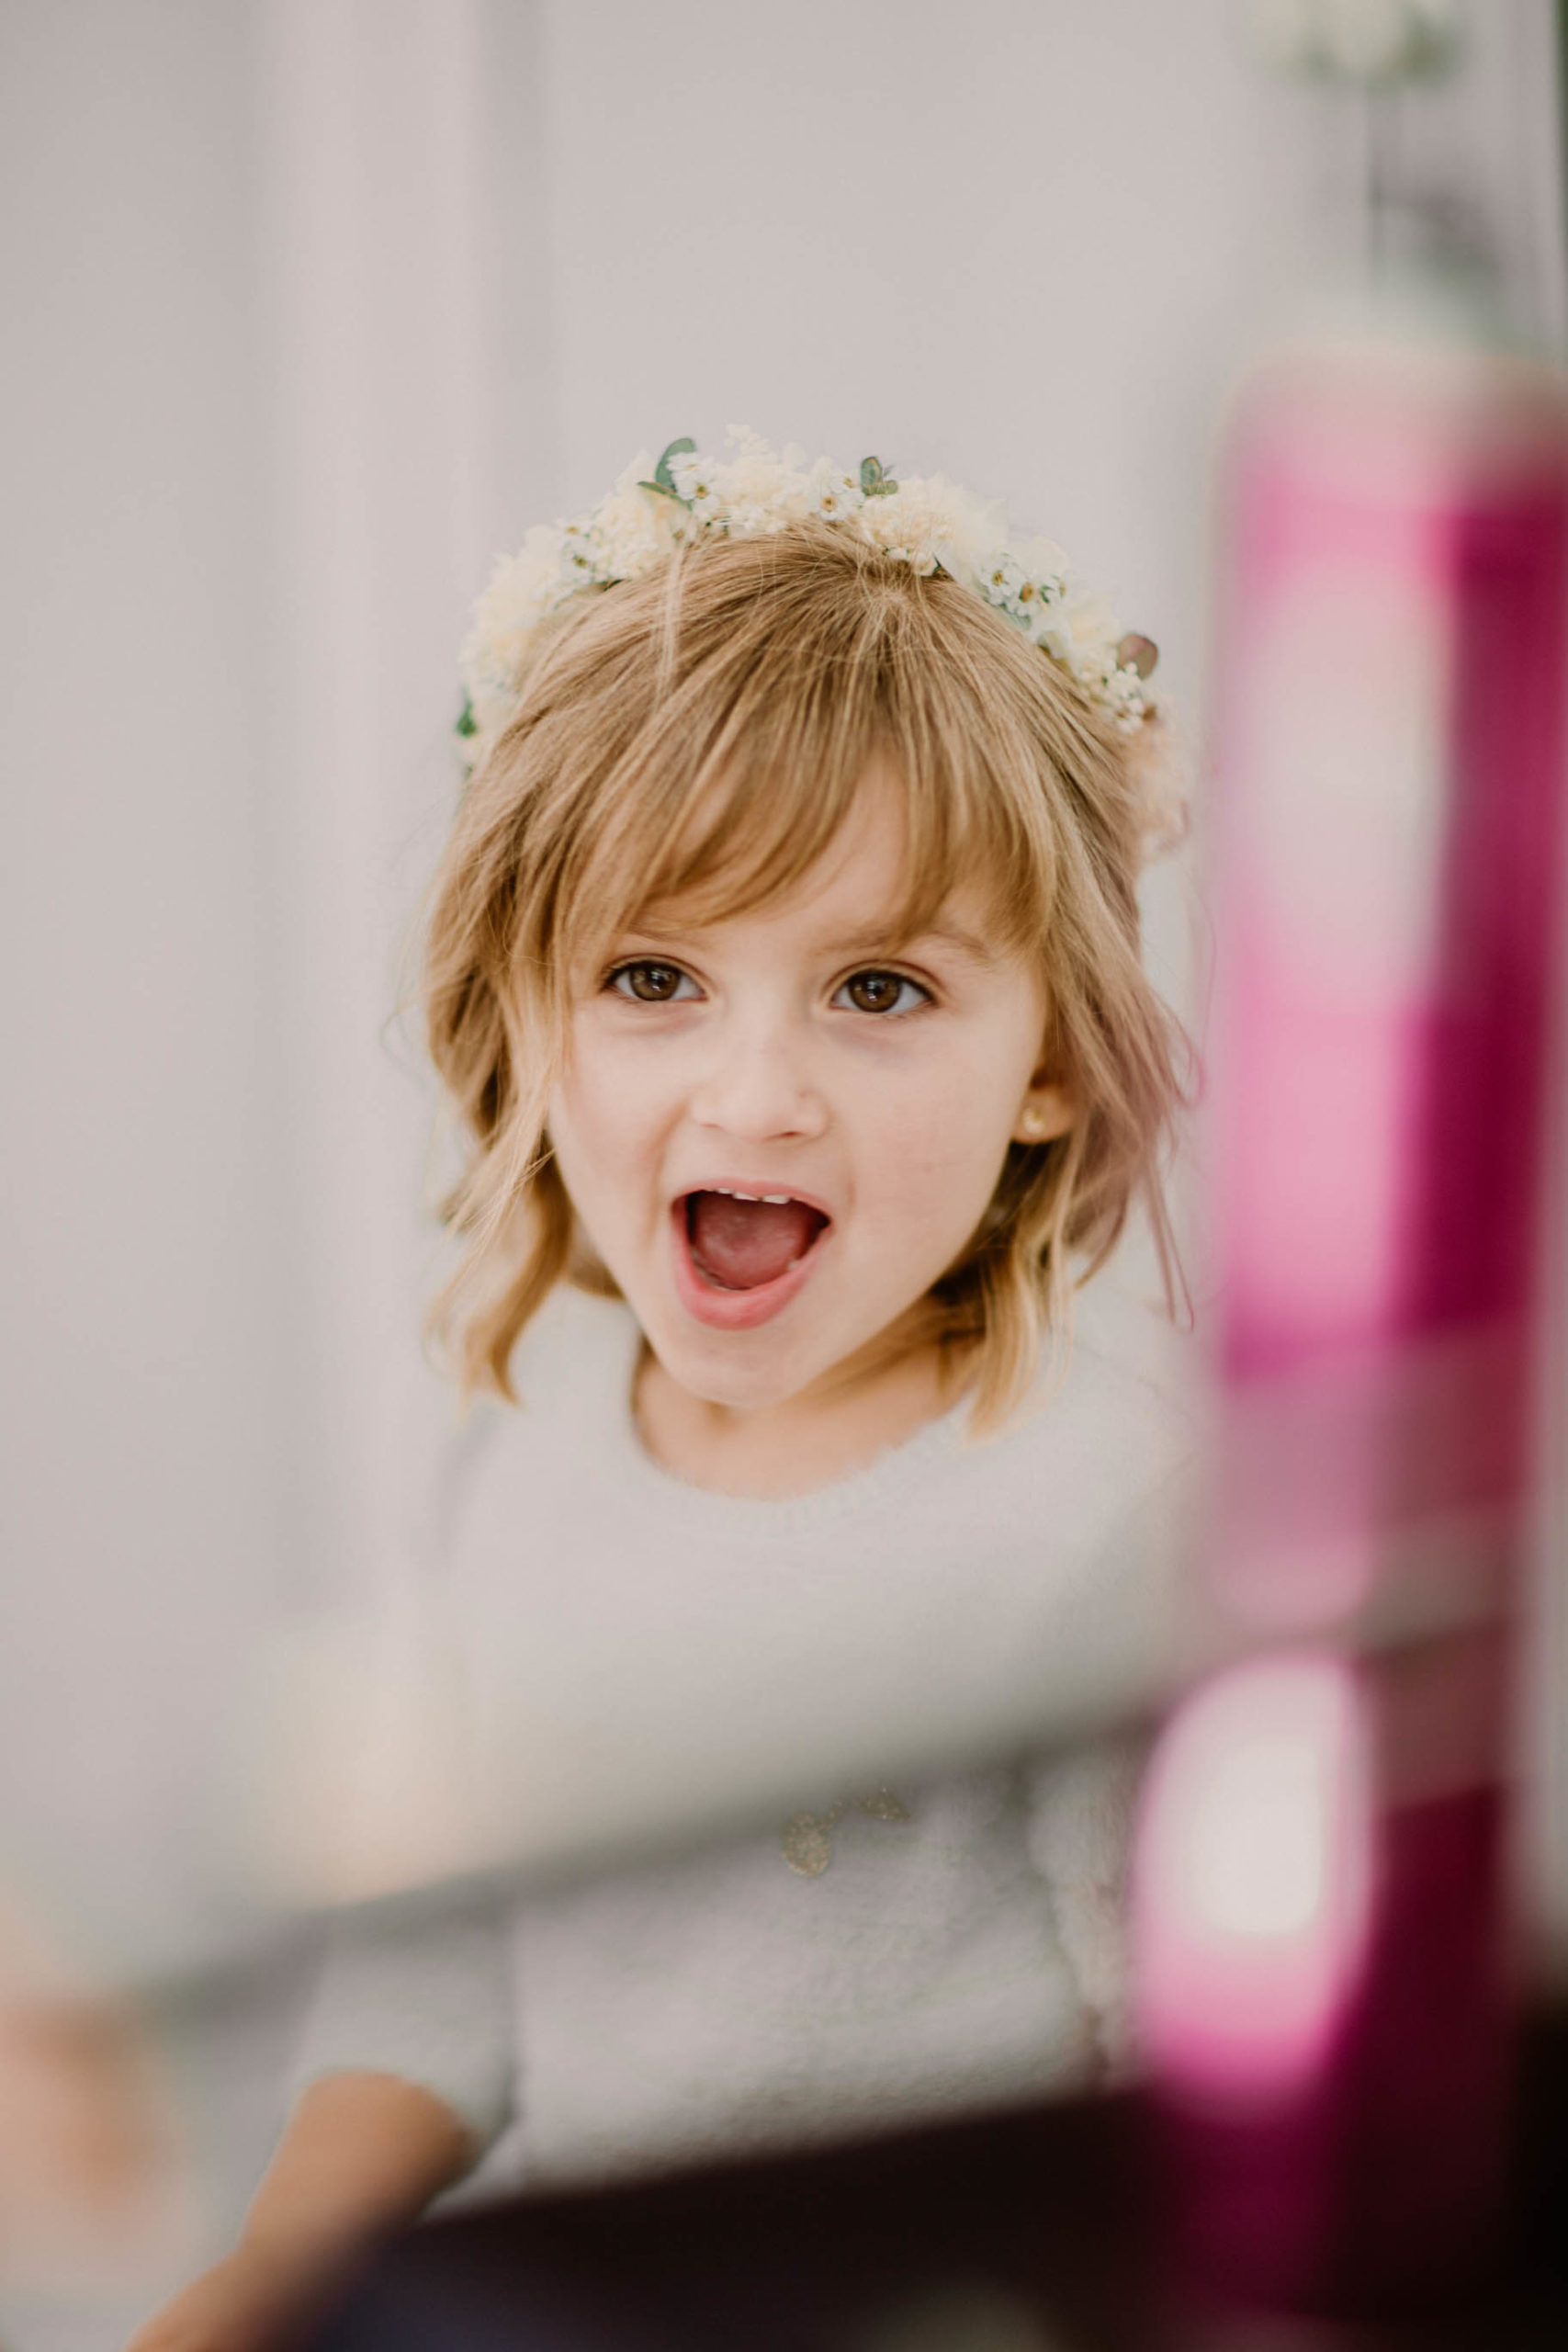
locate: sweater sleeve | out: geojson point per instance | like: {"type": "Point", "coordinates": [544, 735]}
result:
{"type": "Point", "coordinates": [425, 1996]}
{"type": "Point", "coordinates": [1080, 1810]}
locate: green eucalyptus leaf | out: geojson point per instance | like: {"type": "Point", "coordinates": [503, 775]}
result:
{"type": "Point", "coordinates": [659, 490]}
{"type": "Point", "coordinates": [661, 474]}
{"type": "Point", "coordinates": [466, 723]}
{"type": "Point", "coordinates": [875, 481]}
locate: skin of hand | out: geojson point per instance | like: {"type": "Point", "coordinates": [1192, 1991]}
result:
{"type": "Point", "coordinates": [87, 2161]}
{"type": "Point", "coordinates": [362, 2156]}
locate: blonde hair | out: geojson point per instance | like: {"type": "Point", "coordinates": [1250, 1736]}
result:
{"type": "Point", "coordinates": [701, 734]}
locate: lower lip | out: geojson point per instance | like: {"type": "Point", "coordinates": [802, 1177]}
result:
{"type": "Point", "coordinates": [735, 1310]}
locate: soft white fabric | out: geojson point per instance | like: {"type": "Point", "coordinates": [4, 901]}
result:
{"type": "Point", "coordinates": [682, 2005]}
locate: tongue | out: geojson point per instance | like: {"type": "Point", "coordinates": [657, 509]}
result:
{"type": "Point", "coordinates": [741, 1244]}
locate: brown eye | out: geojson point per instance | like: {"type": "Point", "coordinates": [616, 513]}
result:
{"type": "Point", "coordinates": [649, 982]}
{"type": "Point", "coordinates": [881, 991]}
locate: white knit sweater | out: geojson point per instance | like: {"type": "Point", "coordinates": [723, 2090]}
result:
{"type": "Point", "coordinates": [950, 1944]}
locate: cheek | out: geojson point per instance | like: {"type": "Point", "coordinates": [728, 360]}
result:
{"type": "Point", "coordinates": [608, 1117]}
{"type": "Point", "coordinates": [585, 1134]}
{"type": "Point", "coordinates": [933, 1156]}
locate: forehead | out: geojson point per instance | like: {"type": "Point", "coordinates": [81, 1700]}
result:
{"type": "Point", "coordinates": [869, 884]}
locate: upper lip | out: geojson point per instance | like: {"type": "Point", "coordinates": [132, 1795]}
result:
{"type": "Point", "coordinates": [758, 1188]}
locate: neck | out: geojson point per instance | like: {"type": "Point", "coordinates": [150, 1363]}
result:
{"type": "Point", "coordinates": [813, 1439]}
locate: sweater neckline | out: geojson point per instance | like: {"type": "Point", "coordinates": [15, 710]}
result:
{"type": "Point", "coordinates": [936, 1440]}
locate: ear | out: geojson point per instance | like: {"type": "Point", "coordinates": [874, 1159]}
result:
{"type": "Point", "coordinates": [1046, 1112]}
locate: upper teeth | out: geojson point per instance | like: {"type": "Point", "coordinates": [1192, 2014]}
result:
{"type": "Point", "coordinates": [774, 1200]}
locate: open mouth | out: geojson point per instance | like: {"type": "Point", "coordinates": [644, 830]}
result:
{"type": "Point", "coordinates": [745, 1242]}
{"type": "Point", "coordinates": [741, 1258]}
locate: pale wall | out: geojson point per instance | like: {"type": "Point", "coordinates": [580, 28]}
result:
{"type": "Point", "coordinates": [317, 303]}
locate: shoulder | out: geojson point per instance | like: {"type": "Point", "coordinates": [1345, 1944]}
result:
{"type": "Point", "coordinates": [572, 1365]}
{"type": "Point", "coordinates": [571, 1373]}
{"type": "Point", "coordinates": [1088, 1505]}
{"type": "Point", "coordinates": [1131, 1362]}
{"type": "Point", "coordinates": [1092, 1504]}
{"type": "Point", "coordinates": [575, 1356]}
{"type": "Point", "coordinates": [1120, 1412]}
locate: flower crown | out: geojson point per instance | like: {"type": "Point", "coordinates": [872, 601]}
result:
{"type": "Point", "coordinates": [931, 525]}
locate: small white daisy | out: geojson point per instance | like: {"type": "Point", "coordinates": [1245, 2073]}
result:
{"type": "Point", "coordinates": [695, 479]}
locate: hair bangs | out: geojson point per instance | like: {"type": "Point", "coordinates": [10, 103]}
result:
{"type": "Point", "coordinates": [743, 773]}
{"type": "Point", "coordinates": [728, 820]}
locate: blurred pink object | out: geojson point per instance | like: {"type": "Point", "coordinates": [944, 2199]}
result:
{"type": "Point", "coordinates": [1389, 786]}
{"type": "Point", "coordinates": [1254, 1881]}
{"type": "Point", "coordinates": [1332, 2074]}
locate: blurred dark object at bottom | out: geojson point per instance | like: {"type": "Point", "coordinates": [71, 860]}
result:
{"type": "Point", "coordinates": [1028, 2233]}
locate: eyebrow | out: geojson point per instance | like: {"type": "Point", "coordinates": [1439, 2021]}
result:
{"type": "Point", "coordinates": [875, 939]}
{"type": "Point", "coordinates": [881, 941]}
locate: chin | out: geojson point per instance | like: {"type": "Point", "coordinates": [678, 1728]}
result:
{"type": "Point", "coordinates": [735, 1371]}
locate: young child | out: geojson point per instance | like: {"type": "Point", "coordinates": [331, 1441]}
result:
{"type": "Point", "coordinates": [783, 972]}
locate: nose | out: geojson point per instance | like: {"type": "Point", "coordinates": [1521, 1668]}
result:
{"type": "Point", "coordinates": [756, 1084]}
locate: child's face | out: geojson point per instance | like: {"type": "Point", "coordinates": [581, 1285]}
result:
{"type": "Point", "coordinates": [800, 1052]}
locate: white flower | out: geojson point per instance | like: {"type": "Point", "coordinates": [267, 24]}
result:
{"type": "Point", "coordinates": [580, 557]}
{"type": "Point", "coordinates": [1053, 630]}
{"type": "Point", "coordinates": [835, 492]}
{"type": "Point", "coordinates": [634, 530]}
{"type": "Point", "coordinates": [763, 492]}
{"type": "Point", "coordinates": [1095, 636]}
{"type": "Point", "coordinates": [696, 481]}
{"type": "Point", "coordinates": [1045, 563]}
{"type": "Point", "coordinates": [754, 492]}
{"type": "Point", "coordinates": [530, 575]}
{"type": "Point", "coordinates": [950, 526]}
{"type": "Point", "coordinates": [1030, 601]}
{"type": "Point", "coordinates": [522, 589]}
{"type": "Point", "coordinates": [1123, 692]}
{"type": "Point", "coordinates": [1000, 578]}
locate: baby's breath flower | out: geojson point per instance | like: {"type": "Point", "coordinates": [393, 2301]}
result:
{"type": "Point", "coordinates": [580, 557]}
{"type": "Point", "coordinates": [1095, 636]}
{"type": "Point", "coordinates": [1053, 631]}
{"type": "Point", "coordinates": [633, 533]}
{"type": "Point", "coordinates": [764, 492]}
{"type": "Point", "coordinates": [1124, 693]}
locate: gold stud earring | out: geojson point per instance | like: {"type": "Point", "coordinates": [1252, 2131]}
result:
{"type": "Point", "coordinates": [1032, 1123]}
